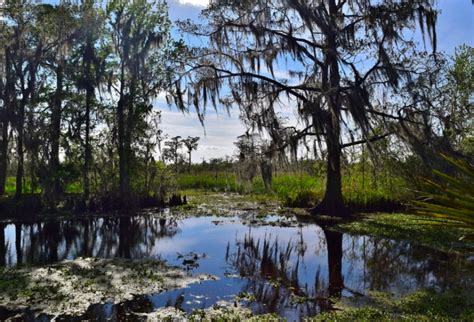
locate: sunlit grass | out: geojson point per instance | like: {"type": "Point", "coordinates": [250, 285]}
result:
{"type": "Point", "coordinates": [10, 187]}
{"type": "Point", "coordinates": [292, 189]}
{"type": "Point", "coordinates": [423, 305]}
{"type": "Point", "coordinates": [295, 189]}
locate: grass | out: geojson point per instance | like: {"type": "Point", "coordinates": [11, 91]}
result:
{"type": "Point", "coordinates": [442, 234]}
{"type": "Point", "coordinates": [220, 181]}
{"type": "Point", "coordinates": [293, 189]}
{"type": "Point", "coordinates": [10, 186]}
{"type": "Point", "coordinates": [301, 190]}
{"type": "Point", "coordinates": [424, 305]}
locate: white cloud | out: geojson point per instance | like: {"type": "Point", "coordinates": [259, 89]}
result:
{"type": "Point", "coordinates": [196, 3]}
{"type": "Point", "coordinates": [217, 138]}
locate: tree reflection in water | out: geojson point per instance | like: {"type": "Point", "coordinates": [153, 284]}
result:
{"type": "Point", "coordinates": [355, 264]}
{"type": "Point", "coordinates": [55, 240]}
{"type": "Point", "coordinates": [272, 270]}
{"type": "Point", "coordinates": [334, 251]}
{"type": "Point", "coordinates": [292, 271]}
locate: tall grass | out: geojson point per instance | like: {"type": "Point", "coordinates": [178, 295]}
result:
{"type": "Point", "coordinates": [295, 189]}
{"type": "Point", "coordinates": [220, 181]}
{"type": "Point", "coordinates": [302, 189]}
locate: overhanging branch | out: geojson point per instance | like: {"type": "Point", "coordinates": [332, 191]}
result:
{"type": "Point", "coordinates": [372, 139]}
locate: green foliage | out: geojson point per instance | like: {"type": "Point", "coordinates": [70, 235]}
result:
{"type": "Point", "coordinates": [461, 75]}
{"type": "Point", "coordinates": [453, 196]}
{"type": "Point", "coordinates": [424, 305]}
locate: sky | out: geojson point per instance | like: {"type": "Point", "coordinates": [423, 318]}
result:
{"type": "Point", "coordinates": [455, 26]}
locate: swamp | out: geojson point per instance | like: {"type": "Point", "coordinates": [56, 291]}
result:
{"type": "Point", "coordinates": [211, 160]}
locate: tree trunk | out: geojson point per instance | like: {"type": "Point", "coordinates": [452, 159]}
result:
{"type": "Point", "coordinates": [189, 162]}
{"type": "Point", "coordinates": [123, 175]}
{"type": "Point", "coordinates": [56, 112]}
{"type": "Point", "coordinates": [333, 202]}
{"type": "Point", "coordinates": [3, 154]}
{"type": "Point", "coordinates": [87, 147]}
{"type": "Point", "coordinates": [124, 181]}
{"type": "Point", "coordinates": [3, 248]}
{"type": "Point", "coordinates": [20, 138]}
{"type": "Point", "coordinates": [5, 120]}
{"type": "Point", "coordinates": [27, 93]}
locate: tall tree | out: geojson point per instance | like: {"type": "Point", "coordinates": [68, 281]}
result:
{"type": "Point", "coordinates": [26, 55]}
{"type": "Point", "coordinates": [140, 33]}
{"type": "Point", "coordinates": [59, 31]}
{"type": "Point", "coordinates": [91, 73]}
{"type": "Point", "coordinates": [340, 54]}
{"type": "Point", "coordinates": [7, 95]}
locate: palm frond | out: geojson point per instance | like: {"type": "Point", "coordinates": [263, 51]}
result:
{"type": "Point", "coordinates": [451, 197]}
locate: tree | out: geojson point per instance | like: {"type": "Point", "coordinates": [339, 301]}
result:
{"type": "Point", "coordinates": [440, 117]}
{"type": "Point", "coordinates": [254, 152]}
{"type": "Point", "coordinates": [325, 41]}
{"type": "Point", "coordinates": [150, 140]}
{"type": "Point", "coordinates": [142, 48]}
{"type": "Point", "coordinates": [26, 52]}
{"type": "Point", "coordinates": [461, 89]}
{"type": "Point", "coordinates": [91, 73]}
{"type": "Point", "coordinates": [57, 28]}
{"type": "Point", "coordinates": [7, 93]}
{"type": "Point", "coordinates": [191, 143]}
{"type": "Point", "coordinates": [171, 151]}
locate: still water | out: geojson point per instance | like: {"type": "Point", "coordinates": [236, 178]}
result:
{"type": "Point", "coordinates": [288, 270]}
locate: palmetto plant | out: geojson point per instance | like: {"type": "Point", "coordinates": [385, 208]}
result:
{"type": "Point", "coordinates": [450, 197]}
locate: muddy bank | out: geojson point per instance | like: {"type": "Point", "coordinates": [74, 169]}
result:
{"type": "Point", "coordinates": [70, 287]}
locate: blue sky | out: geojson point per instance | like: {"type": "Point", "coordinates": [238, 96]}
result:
{"type": "Point", "coordinates": [455, 27]}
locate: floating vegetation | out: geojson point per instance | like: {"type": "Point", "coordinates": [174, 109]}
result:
{"type": "Point", "coordinates": [70, 287]}
{"type": "Point", "coordinates": [221, 311]}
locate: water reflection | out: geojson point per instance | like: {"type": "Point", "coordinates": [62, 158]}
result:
{"type": "Point", "coordinates": [53, 240]}
{"type": "Point", "coordinates": [292, 271]}
{"type": "Point", "coordinates": [277, 276]}
{"type": "Point", "coordinates": [334, 251]}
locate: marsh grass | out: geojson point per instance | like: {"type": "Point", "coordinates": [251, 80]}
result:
{"type": "Point", "coordinates": [303, 190]}
{"type": "Point", "coordinates": [293, 189]}
{"type": "Point", "coordinates": [423, 305]}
